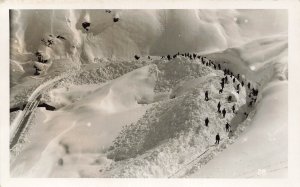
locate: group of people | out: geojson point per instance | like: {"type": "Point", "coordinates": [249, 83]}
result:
{"type": "Point", "coordinates": [236, 79]}
{"type": "Point", "coordinates": [238, 84]}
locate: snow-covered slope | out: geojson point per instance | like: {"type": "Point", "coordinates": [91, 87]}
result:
{"type": "Point", "coordinates": [262, 150]}
{"type": "Point", "coordinates": [152, 120]}
{"type": "Point", "coordinates": [122, 117]}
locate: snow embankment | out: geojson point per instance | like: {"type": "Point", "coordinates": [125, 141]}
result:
{"type": "Point", "coordinates": [262, 150]}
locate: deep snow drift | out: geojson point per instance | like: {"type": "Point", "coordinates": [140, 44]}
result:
{"type": "Point", "coordinates": [117, 116]}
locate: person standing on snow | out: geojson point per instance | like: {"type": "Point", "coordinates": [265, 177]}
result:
{"type": "Point", "coordinates": [219, 107]}
{"type": "Point", "coordinates": [233, 108]}
{"type": "Point", "coordinates": [222, 85]}
{"type": "Point", "coordinates": [206, 122]}
{"type": "Point", "coordinates": [224, 112]}
{"type": "Point", "coordinates": [206, 95]}
{"type": "Point", "coordinates": [217, 139]}
{"type": "Point", "coordinates": [227, 127]}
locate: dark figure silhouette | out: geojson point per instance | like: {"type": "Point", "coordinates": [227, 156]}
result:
{"type": "Point", "coordinates": [219, 66]}
{"type": "Point", "coordinates": [249, 85]}
{"type": "Point", "coordinates": [227, 127]}
{"type": "Point", "coordinates": [238, 76]}
{"type": "Point", "coordinates": [86, 25]}
{"type": "Point", "coordinates": [61, 37]}
{"type": "Point", "coordinates": [226, 79]}
{"type": "Point", "coordinates": [229, 98]}
{"type": "Point", "coordinates": [246, 114]}
{"type": "Point", "coordinates": [223, 80]}
{"type": "Point", "coordinates": [217, 139]}
{"type": "Point", "coordinates": [215, 66]}
{"type": "Point", "coordinates": [136, 57]}
{"type": "Point", "coordinates": [194, 55]}
{"type": "Point", "coordinates": [238, 87]}
{"type": "Point", "coordinates": [116, 19]}
{"type": "Point", "coordinates": [219, 107]}
{"type": "Point", "coordinates": [233, 79]}
{"type": "Point", "coordinates": [243, 83]}
{"type": "Point", "coordinates": [220, 91]}
{"type": "Point", "coordinates": [255, 92]}
{"type": "Point", "coordinates": [39, 56]}
{"type": "Point", "coordinates": [224, 112]}
{"type": "Point", "coordinates": [206, 96]}
{"type": "Point", "coordinates": [250, 104]}
{"type": "Point", "coordinates": [233, 108]}
{"type": "Point", "coordinates": [169, 57]}
{"type": "Point", "coordinates": [149, 57]}
{"type": "Point", "coordinates": [222, 85]}
{"type": "Point", "coordinates": [206, 122]}
{"type": "Point", "coordinates": [36, 70]}
{"type": "Point", "coordinates": [108, 11]}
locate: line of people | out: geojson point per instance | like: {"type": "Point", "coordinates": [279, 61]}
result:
{"type": "Point", "coordinates": [225, 80]}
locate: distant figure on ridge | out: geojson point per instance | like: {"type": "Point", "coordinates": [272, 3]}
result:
{"type": "Point", "coordinates": [169, 57]}
{"type": "Point", "coordinates": [136, 57]}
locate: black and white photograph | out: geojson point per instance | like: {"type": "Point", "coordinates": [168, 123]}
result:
{"type": "Point", "coordinates": [149, 93]}
{"type": "Point", "coordinates": [162, 93]}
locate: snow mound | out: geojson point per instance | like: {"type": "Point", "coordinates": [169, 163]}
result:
{"type": "Point", "coordinates": [173, 130]}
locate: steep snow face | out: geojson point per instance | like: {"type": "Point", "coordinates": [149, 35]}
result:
{"type": "Point", "coordinates": [60, 34]}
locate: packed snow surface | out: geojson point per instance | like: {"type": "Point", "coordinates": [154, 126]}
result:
{"type": "Point", "coordinates": [124, 111]}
